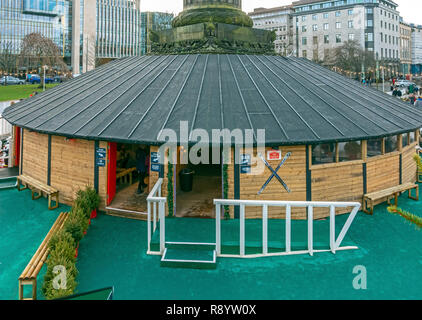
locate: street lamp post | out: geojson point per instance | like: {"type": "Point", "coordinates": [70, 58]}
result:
{"type": "Point", "coordinates": [43, 86]}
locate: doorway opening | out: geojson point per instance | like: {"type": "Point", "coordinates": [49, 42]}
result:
{"type": "Point", "coordinates": [128, 187]}
{"type": "Point", "coordinates": [207, 185]}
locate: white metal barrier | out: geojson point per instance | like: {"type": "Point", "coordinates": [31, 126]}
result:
{"type": "Point", "coordinates": [154, 198]}
{"type": "Point", "coordinates": [334, 242]}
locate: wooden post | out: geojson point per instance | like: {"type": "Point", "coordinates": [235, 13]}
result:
{"type": "Point", "coordinates": [383, 146]}
{"type": "Point", "coordinates": [20, 290]}
{"type": "Point", "coordinates": [400, 143]}
{"type": "Point", "coordinates": [337, 153]}
{"type": "Point", "coordinates": [364, 150]}
{"type": "Point", "coordinates": [34, 289]}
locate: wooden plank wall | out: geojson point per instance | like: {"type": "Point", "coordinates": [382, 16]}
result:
{"type": "Point", "coordinates": [383, 172]}
{"type": "Point", "coordinates": [409, 165]}
{"type": "Point", "coordinates": [293, 173]}
{"type": "Point", "coordinates": [35, 159]}
{"type": "Point", "coordinates": [342, 182]}
{"type": "Point", "coordinates": [72, 166]}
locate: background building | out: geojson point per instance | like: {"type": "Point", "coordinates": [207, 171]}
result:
{"type": "Point", "coordinates": [50, 18]}
{"type": "Point", "coordinates": [405, 48]}
{"type": "Point", "coordinates": [416, 49]}
{"type": "Point", "coordinates": [324, 25]}
{"type": "Point", "coordinates": [277, 19]}
{"type": "Point", "coordinates": [153, 21]}
{"type": "Point", "coordinates": [86, 31]}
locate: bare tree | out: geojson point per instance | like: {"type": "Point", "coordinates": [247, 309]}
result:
{"type": "Point", "coordinates": [38, 51]}
{"type": "Point", "coordinates": [352, 57]}
{"type": "Point", "coordinates": [7, 58]}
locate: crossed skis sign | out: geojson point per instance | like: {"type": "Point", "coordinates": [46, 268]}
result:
{"type": "Point", "coordinates": [274, 173]}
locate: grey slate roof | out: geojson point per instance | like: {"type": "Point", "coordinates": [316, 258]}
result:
{"type": "Point", "coordinates": [295, 100]}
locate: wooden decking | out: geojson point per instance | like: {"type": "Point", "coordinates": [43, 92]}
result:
{"type": "Point", "coordinates": [129, 204]}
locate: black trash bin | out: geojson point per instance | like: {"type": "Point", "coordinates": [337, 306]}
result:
{"type": "Point", "coordinates": [186, 179]}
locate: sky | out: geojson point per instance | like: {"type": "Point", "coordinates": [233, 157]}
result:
{"type": "Point", "coordinates": [410, 10]}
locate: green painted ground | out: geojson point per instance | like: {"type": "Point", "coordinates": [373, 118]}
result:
{"type": "Point", "coordinates": [16, 92]}
{"type": "Point", "coordinates": [23, 225]}
{"type": "Point", "coordinates": [113, 254]}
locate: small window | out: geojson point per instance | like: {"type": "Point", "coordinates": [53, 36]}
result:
{"type": "Point", "coordinates": [374, 147]}
{"type": "Point", "coordinates": [324, 153]}
{"type": "Point", "coordinates": [405, 139]}
{"type": "Point", "coordinates": [391, 144]}
{"type": "Point", "coordinates": [349, 151]}
{"type": "Point", "coordinates": [412, 137]}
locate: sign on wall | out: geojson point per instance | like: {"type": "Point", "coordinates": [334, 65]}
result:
{"type": "Point", "coordinates": [100, 157]}
{"type": "Point", "coordinates": [155, 162]}
{"type": "Point", "coordinates": [274, 155]}
{"type": "Point", "coordinates": [245, 163]}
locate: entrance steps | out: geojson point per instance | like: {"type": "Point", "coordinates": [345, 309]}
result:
{"type": "Point", "coordinates": [128, 214]}
{"type": "Point", "coordinates": [8, 183]}
{"type": "Point", "coordinates": [189, 255]}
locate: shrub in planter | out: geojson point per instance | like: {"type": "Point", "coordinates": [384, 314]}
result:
{"type": "Point", "coordinates": [81, 216]}
{"type": "Point", "coordinates": [92, 198]}
{"type": "Point", "coordinates": [61, 236]}
{"type": "Point", "coordinates": [66, 249]}
{"type": "Point", "coordinates": [58, 258]}
{"type": "Point", "coordinates": [74, 227]}
{"type": "Point", "coordinates": [89, 200]}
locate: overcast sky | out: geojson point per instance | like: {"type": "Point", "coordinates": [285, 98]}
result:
{"type": "Point", "coordinates": [411, 10]}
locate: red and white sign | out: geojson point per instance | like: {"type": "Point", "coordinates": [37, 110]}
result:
{"type": "Point", "coordinates": [274, 155]}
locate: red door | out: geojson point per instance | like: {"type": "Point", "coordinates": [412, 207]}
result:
{"type": "Point", "coordinates": [111, 171]}
{"type": "Point", "coordinates": [17, 146]}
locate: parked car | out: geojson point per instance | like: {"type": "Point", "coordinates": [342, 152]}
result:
{"type": "Point", "coordinates": [11, 80]}
{"type": "Point", "coordinates": [35, 78]}
{"type": "Point", "coordinates": [405, 83]}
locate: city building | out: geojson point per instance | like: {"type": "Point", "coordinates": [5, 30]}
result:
{"type": "Point", "coordinates": [110, 29]}
{"type": "Point", "coordinates": [153, 21]}
{"type": "Point", "coordinates": [405, 48]}
{"type": "Point", "coordinates": [50, 18]}
{"type": "Point", "coordinates": [321, 26]}
{"type": "Point", "coordinates": [277, 19]}
{"type": "Point", "coordinates": [85, 31]}
{"type": "Point", "coordinates": [416, 49]}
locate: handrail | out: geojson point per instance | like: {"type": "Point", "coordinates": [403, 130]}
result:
{"type": "Point", "coordinates": [153, 198]}
{"type": "Point", "coordinates": [334, 242]}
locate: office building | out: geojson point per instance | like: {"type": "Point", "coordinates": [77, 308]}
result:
{"type": "Point", "coordinates": [277, 19]}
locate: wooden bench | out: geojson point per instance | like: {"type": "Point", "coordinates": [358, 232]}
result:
{"type": "Point", "coordinates": [371, 199]}
{"type": "Point", "coordinates": [38, 187]}
{"type": "Point", "coordinates": [29, 275]}
{"type": "Point", "coordinates": [125, 175]}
